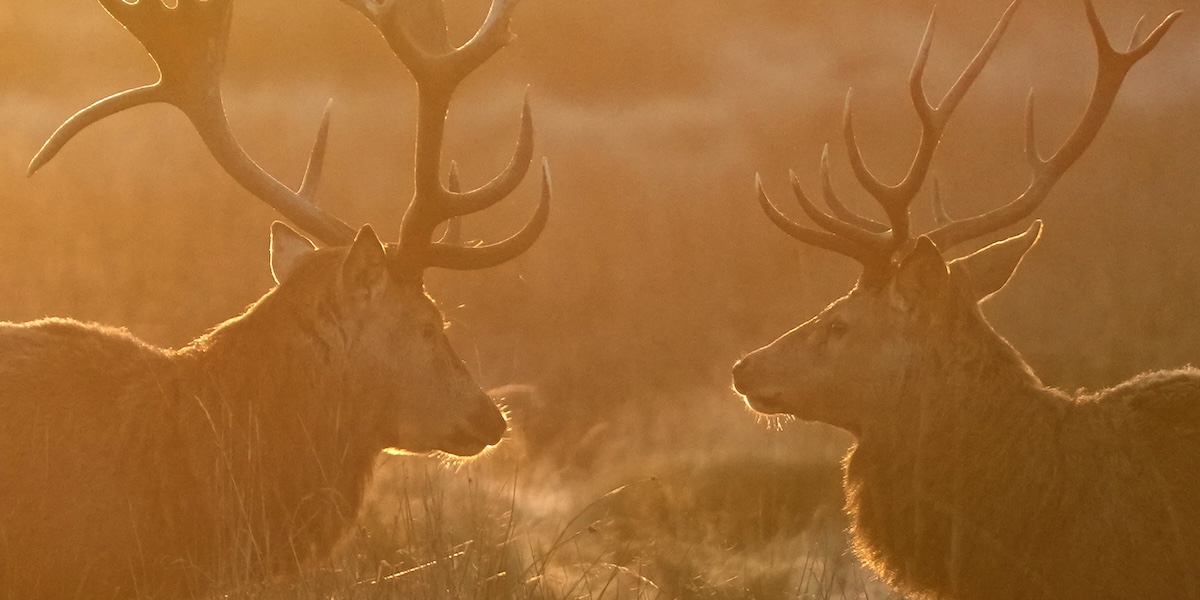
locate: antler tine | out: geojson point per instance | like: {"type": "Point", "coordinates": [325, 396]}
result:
{"type": "Point", "coordinates": [463, 203]}
{"type": "Point", "coordinates": [106, 107]}
{"type": "Point", "coordinates": [416, 33]}
{"type": "Point", "coordinates": [189, 43]}
{"type": "Point", "coordinates": [1114, 66]}
{"type": "Point", "coordinates": [454, 230]}
{"type": "Point", "coordinates": [453, 236]}
{"type": "Point", "coordinates": [896, 199]}
{"type": "Point", "coordinates": [298, 207]}
{"type": "Point", "coordinates": [808, 236]}
{"type": "Point", "coordinates": [1135, 52]}
{"type": "Point", "coordinates": [960, 87]}
{"type": "Point", "coordinates": [446, 66]}
{"type": "Point", "coordinates": [1136, 33]}
{"type": "Point", "coordinates": [462, 258]}
{"type": "Point", "coordinates": [316, 159]}
{"type": "Point", "coordinates": [940, 216]}
{"type": "Point", "coordinates": [835, 204]}
{"type": "Point", "coordinates": [835, 225]}
{"type": "Point", "coordinates": [1032, 154]}
{"type": "Point", "coordinates": [916, 78]}
{"type": "Point", "coordinates": [891, 198]}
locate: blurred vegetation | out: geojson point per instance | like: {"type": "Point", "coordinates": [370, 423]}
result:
{"type": "Point", "coordinates": [483, 532]}
{"type": "Point", "coordinates": [657, 270]}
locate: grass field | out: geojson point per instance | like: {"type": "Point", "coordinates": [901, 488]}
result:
{"type": "Point", "coordinates": [634, 471]}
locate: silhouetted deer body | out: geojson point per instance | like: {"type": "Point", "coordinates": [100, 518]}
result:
{"type": "Point", "coordinates": [128, 470]}
{"type": "Point", "coordinates": [969, 478]}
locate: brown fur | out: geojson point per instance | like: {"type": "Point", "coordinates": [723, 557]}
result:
{"type": "Point", "coordinates": [970, 479]}
{"type": "Point", "coordinates": [132, 470]}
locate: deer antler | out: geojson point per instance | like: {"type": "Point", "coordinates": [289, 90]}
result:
{"type": "Point", "coordinates": [438, 69]}
{"type": "Point", "coordinates": [874, 244]}
{"type": "Point", "coordinates": [1113, 67]}
{"type": "Point", "coordinates": [189, 43]}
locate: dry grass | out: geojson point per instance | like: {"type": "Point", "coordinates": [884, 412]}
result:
{"type": "Point", "coordinates": [739, 529]}
{"type": "Point", "coordinates": [641, 521]}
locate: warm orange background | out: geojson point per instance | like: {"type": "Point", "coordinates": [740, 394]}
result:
{"type": "Point", "coordinates": [657, 270]}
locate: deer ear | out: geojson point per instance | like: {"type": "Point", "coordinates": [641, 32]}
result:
{"type": "Point", "coordinates": [921, 274]}
{"type": "Point", "coordinates": [287, 248]}
{"type": "Point", "coordinates": [988, 269]}
{"type": "Point", "coordinates": [365, 267]}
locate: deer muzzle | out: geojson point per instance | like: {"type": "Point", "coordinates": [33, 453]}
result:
{"type": "Point", "coordinates": [482, 428]}
{"type": "Point", "coordinates": [760, 394]}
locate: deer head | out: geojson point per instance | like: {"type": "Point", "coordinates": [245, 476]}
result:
{"type": "Point", "coordinates": [364, 299]}
{"type": "Point", "coordinates": [840, 365]}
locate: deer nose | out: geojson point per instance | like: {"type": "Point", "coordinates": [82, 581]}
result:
{"type": "Point", "coordinates": [740, 376]}
{"type": "Point", "coordinates": [486, 423]}
{"type": "Point", "coordinates": [492, 424]}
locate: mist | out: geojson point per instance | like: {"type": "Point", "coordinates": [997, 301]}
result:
{"type": "Point", "coordinates": [658, 270]}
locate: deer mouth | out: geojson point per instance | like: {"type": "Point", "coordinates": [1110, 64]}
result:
{"type": "Point", "coordinates": [767, 404]}
{"type": "Point", "coordinates": [466, 444]}
{"type": "Point", "coordinates": [766, 399]}
{"type": "Point", "coordinates": [472, 438]}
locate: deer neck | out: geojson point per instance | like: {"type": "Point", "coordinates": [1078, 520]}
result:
{"type": "Point", "coordinates": [962, 375]}
{"type": "Point", "coordinates": [262, 365]}
{"type": "Point", "coordinates": [273, 419]}
{"type": "Point", "coordinates": [966, 412]}
{"type": "Point", "coordinates": [967, 399]}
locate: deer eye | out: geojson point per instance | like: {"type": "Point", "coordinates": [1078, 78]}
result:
{"type": "Point", "coordinates": [430, 331]}
{"type": "Point", "coordinates": [837, 328]}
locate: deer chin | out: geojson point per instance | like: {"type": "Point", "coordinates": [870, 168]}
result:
{"type": "Point", "coordinates": [462, 446]}
{"type": "Point", "coordinates": [463, 442]}
{"type": "Point", "coordinates": [468, 442]}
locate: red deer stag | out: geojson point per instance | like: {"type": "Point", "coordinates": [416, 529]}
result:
{"type": "Point", "coordinates": [129, 470]}
{"type": "Point", "coordinates": [970, 479]}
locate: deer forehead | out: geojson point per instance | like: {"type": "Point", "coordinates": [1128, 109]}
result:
{"type": "Point", "coordinates": [318, 276]}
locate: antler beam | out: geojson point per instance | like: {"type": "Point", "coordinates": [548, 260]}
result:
{"type": "Point", "coordinates": [1114, 66]}
{"type": "Point", "coordinates": [874, 244]}
{"type": "Point", "coordinates": [188, 43]}
{"type": "Point", "coordinates": [416, 33]}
